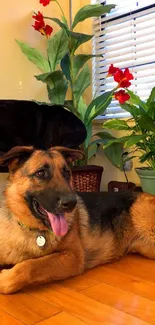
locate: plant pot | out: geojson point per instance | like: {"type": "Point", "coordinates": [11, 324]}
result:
{"type": "Point", "coordinates": [87, 178]}
{"type": "Point", "coordinates": [147, 178]}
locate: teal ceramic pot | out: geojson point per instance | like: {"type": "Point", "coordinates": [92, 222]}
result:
{"type": "Point", "coordinates": [147, 179]}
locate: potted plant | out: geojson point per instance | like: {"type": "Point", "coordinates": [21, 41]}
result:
{"type": "Point", "coordinates": [139, 139]}
{"type": "Point", "coordinates": [62, 70]}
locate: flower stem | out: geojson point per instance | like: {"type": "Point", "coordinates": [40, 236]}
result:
{"type": "Point", "coordinates": [60, 8]}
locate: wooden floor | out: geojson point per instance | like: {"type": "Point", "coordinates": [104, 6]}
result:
{"type": "Point", "coordinates": [121, 293]}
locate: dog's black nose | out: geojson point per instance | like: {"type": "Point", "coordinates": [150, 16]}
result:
{"type": "Point", "coordinates": [67, 203]}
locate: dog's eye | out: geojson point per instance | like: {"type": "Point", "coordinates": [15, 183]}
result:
{"type": "Point", "coordinates": [66, 173]}
{"type": "Point", "coordinates": [42, 173]}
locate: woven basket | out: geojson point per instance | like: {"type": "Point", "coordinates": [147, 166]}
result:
{"type": "Point", "coordinates": [87, 178]}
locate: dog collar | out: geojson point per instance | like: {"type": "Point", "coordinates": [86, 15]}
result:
{"type": "Point", "coordinates": [32, 229]}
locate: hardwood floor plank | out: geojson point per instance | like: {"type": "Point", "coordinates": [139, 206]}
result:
{"type": "Point", "coordinates": [127, 302]}
{"type": "Point", "coordinates": [125, 281]}
{"type": "Point", "coordinates": [137, 266]}
{"type": "Point", "coordinates": [83, 307]}
{"type": "Point", "coordinates": [66, 319]}
{"type": "Point", "coordinates": [61, 319]}
{"type": "Point", "coordinates": [6, 319]}
{"type": "Point", "coordinates": [26, 308]}
{"type": "Point", "coordinates": [80, 282]}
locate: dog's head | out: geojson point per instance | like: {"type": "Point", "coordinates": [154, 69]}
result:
{"type": "Point", "coordinates": [39, 192]}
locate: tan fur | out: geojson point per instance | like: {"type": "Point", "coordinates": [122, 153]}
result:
{"type": "Point", "coordinates": [82, 248]}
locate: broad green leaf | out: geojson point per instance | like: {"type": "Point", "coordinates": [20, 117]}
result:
{"type": "Point", "coordinates": [57, 94]}
{"type": "Point", "coordinates": [104, 137]}
{"type": "Point", "coordinates": [135, 100]}
{"type": "Point", "coordinates": [151, 104]}
{"type": "Point", "coordinates": [35, 57]}
{"type": "Point", "coordinates": [91, 11]}
{"type": "Point", "coordinates": [80, 60]}
{"type": "Point", "coordinates": [114, 151]}
{"type": "Point", "coordinates": [82, 108]}
{"type": "Point", "coordinates": [128, 140]}
{"type": "Point", "coordinates": [98, 106]}
{"type": "Point", "coordinates": [89, 135]}
{"type": "Point", "coordinates": [133, 139]}
{"type": "Point", "coordinates": [50, 78]}
{"type": "Point", "coordinates": [56, 85]}
{"type": "Point", "coordinates": [115, 124]}
{"type": "Point", "coordinates": [57, 48]}
{"type": "Point", "coordinates": [128, 159]}
{"type": "Point", "coordinates": [146, 123]}
{"type": "Point", "coordinates": [116, 140]}
{"type": "Point", "coordinates": [76, 39]}
{"type": "Point", "coordinates": [65, 66]}
{"type": "Point", "coordinates": [151, 98]}
{"type": "Point", "coordinates": [114, 154]}
{"type": "Point", "coordinates": [82, 82]}
{"type": "Point", "coordinates": [59, 22]}
{"type": "Point", "coordinates": [92, 150]}
{"type": "Point", "coordinates": [132, 109]}
{"type": "Point", "coordinates": [151, 110]}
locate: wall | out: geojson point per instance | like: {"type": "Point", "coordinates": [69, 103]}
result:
{"type": "Point", "coordinates": [16, 77]}
{"type": "Point", "coordinates": [110, 172]}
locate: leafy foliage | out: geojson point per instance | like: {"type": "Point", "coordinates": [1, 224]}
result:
{"type": "Point", "coordinates": [141, 129]}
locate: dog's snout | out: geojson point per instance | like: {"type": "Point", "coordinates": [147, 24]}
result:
{"type": "Point", "coordinates": [67, 203]}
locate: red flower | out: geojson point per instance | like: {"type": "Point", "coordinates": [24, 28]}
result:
{"type": "Point", "coordinates": [48, 30]}
{"type": "Point", "coordinates": [121, 96]}
{"type": "Point", "coordinates": [123, 77]}
{"type": "Point", "coordinates": [112, 70]}
{"type": "Point", "coordinates": [40, 26]}
{"type": "Point", "coordinates": [45, 2]}
{"type": "Point", "coordinates": [39, 16]}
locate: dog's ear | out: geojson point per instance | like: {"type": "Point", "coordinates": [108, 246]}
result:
{"type": "Point", "coordinates": [14, 157]}
{"type": "Point", "coordinates": [70, 154]}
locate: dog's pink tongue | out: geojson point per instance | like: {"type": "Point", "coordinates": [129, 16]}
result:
{"type": "Point", "coordinates": [58, 224]}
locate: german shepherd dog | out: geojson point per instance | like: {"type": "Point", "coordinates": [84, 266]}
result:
{"type": "Point", "coordinates": [49, 233]}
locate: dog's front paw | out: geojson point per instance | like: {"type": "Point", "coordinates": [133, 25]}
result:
{"type": "Point", "coordinates": [7, 282]}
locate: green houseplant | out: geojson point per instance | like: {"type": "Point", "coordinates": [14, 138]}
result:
{"type": "Point", "coordinates": [139, 139]}
{"type": "Point", "coordinates": [63, 69]}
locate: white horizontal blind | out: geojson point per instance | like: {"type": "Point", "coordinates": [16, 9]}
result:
{"type": "Point", "coordinates": [126, 38]}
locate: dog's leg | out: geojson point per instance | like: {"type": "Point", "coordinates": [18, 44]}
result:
{"type": "Point", "coordinates": [143, 247]}
{"type": "Point", "coordinates": [57, 266]}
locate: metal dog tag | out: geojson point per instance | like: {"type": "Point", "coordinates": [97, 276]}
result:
{"type": "Point", "coordinates": [41, 241]}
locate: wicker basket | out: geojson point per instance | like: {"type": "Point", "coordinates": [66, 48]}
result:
{"type": "Point", "coordinates": [87, 178]}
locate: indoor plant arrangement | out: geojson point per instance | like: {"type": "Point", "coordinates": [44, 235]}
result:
{"type": "Point", "coordinates": [63, 69]}
{"type": "Point", "coordinates": [139, 128]}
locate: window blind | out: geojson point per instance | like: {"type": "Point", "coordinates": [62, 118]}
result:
{"type": "Point", "coordinates": [126, 38]}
